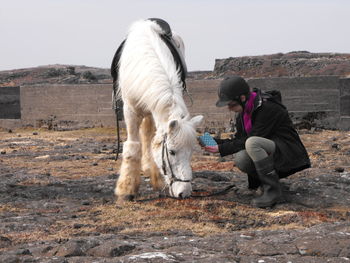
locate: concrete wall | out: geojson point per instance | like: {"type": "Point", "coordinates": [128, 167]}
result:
{"type": "Point", "coordinates": [310, 101]}
{"type": "Point", "coordinates": [344, 122]}
{"type": "Point", "coordinates": [65, 106]}
{"type": "Point", "coordinates": [204, 96]}
{"type": "Point", "coordinates": [316, 101]}
{"type": "Point", "coordinates": [10, 107]}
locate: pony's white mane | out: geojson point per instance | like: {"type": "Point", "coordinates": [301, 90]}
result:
{"type": "Point", "coordinates": [186, 135]}
{"type": "Point", "coordinates": [158, 83]}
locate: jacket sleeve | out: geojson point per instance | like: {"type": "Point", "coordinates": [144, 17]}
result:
{"type": "Point", "coordinates": [231, 146]}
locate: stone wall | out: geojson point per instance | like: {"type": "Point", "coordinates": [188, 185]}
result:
{"type": "Point", "coordinates": [312, 101]}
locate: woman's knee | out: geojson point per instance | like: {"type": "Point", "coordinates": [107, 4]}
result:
{"type": "Point", "coordinates": [259, 148]}
{"type": "Point", "coordinates": [256, 144]}
{"type": "Point", "coordinates": [252, 143]}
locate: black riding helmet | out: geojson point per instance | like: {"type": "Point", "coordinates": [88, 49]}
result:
{"type": "Point", "coordinates": [230, 89]}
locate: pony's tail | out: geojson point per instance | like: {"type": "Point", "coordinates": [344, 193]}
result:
{"type": "Point", "coordinates": [115, 75]}
{"type": "Point", "coordinates": [117, 103]}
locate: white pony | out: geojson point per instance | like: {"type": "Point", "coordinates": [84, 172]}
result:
{"type": "Point", "coordinates": [150, 85]}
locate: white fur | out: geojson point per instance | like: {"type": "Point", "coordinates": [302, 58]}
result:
{"type": "Point", "coordinates": [150, 84]}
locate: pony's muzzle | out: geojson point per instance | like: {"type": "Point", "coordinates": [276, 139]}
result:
{"type": "Point", "coordinates": [181, 189]}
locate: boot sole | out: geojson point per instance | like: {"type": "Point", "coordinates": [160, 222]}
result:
{"type": "Point", "coordinates": [280, 200]}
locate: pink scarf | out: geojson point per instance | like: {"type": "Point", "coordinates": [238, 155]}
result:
{"type": "Point", "coordinates": [247, 114]}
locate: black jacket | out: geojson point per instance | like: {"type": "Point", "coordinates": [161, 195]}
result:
{"type": "Point", "coordinates": [270, 119]}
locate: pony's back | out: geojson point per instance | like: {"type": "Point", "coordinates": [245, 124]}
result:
{"type": "Point", "coordinates": [148, 75]}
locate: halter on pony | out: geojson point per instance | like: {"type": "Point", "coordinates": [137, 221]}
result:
{"type": "Point", "coordinates": [165, 161]}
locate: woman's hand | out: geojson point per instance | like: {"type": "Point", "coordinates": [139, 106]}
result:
{"type": "Point", "coordinates": [212, 149]}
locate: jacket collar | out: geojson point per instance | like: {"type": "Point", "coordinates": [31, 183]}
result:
{"type": "Point", "coordinates": [258, 99]}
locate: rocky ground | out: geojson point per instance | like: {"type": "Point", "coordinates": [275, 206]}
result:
{"type": "Point", "coordinates": [292, 64]}
{"type": "Point", "coordinates": [57, 205]}
{"type": "Point", "coordinates": [54, 74]}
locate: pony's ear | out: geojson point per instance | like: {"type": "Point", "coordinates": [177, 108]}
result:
{"type": "Point", "coordinates": [197, 120]}
{"type": "Point", "coordinates": [173, 125]}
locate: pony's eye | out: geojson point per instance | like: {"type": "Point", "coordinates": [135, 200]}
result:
{"type": "Point", "coordinates": [172, 152]}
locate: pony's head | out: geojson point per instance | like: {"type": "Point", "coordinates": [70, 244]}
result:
{"type": "Point", "coordinates": [172, 151]}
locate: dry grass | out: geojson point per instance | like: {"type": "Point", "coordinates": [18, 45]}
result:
{"type": "Point", "coordinates": [5, 208]}
{"type": "Point", "coordinates": [43, 163]}
{"type": "Point", "coordinates": [201, 217]}
{"type": "Point", "coordinates": [327, 149]}
{"type": "Point", "coordinates": [166, 215]}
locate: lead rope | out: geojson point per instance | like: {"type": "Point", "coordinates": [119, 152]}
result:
{"type": "Point", "coordinates": [221, 192]}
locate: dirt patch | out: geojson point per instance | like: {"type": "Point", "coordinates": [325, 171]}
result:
{"type": "Point", "coordinates": [57, 205]}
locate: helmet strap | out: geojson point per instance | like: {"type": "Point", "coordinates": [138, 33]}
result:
{"type": "Point", "coordinates": [243, 103]}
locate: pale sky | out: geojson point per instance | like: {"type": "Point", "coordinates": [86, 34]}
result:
{"type": "Point", "coordinates": [88, 32]}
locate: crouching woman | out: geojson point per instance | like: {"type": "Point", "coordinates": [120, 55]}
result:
{"type": "Point", "coordinates": [267, 146]}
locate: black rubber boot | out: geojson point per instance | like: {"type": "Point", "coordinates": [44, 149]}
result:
{"type": "Point", "coordinates": [253, 181]}
{"type": "Point", "coordinates": [270, 181]}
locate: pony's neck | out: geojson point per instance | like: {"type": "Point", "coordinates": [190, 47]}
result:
{"type": "Point", "coordinates": [176, 111]}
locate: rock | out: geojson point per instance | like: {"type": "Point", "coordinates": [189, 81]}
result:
{"type": "Point", "coordinates": [339, 169]}
{"type": "Point", "coordinates": [79, 157]}
{"type": "Point", "coordinates": [336, 146]}
{"type": "Point", "coordinates": [153, 257]}
{"type": "Point", "coordinates": [77, 226]}
{"type": "Point", "coordinates": [9, 259]}
{"type": "Point", "coordinates": [318, 246]}
{"type": "Point", "coordinates": [222, 160]}
{"type": "Point", "coordinates": [4, 242]}
{"type": "Point", "coordinates": [111, 248]}
{"type": "Point", "coordinates": [70, 249]}
{"type": "Point", "coordinates": [24, 251]}
{"type": "Point", "coordinates": [113, 176]}
{"type": "Point", "coordinates": [43, 157]}
{"type": "Point", "coordinates": [257, 248]}
{"type": "Point", "coordinates": [319, 153]}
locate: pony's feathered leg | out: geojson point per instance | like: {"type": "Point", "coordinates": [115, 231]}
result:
{"type": "Point", "coordinates": [149, 167]}
{"type": "Point", "coordinates": [129, 178]}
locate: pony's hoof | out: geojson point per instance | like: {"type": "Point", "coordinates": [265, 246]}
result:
{"type": "Point", "coordinates": [125, 198]}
